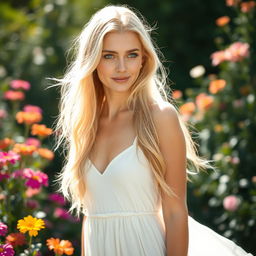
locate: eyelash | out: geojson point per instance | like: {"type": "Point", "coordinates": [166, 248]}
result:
{"type": "Point", "coordinates": [135, 55]}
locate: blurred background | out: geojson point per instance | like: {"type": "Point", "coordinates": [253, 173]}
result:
{"type": "Point", "coordinates": [208, 49]}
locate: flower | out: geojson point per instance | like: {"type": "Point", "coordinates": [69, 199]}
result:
{"type": "Point", "coordinates": [197, 71]}
{"type": "Point", "coordinates": [60, 247]}
{"type": "Point", "coordinates": [61, 213]}
{"type": "Point", "coordinates": [4, 175]}
{"type": "Point", "coordinates": [204, 101]}
{"type": "Point", "coordinates": [30, 224]}
{"type": "Point", "coordinates": [177, 94]}
{"type": "Point", "coordinates": [33, 141]}
{"type": "Point", "coordinates": [36, 179]}
{"type": "Point", "coordinates": [6, 250]}
{"type": "Point", "coordinates": [8, 157]}
{"type": "Point", "coordinates": [218, 57]}
{"type": "Point", "coordinates": [32, 108]}
{"type": "Point", "coordinates": [57, 198]}
{"type": "Point", "coordinates": [235, 52]}
{"type": "Point", "coordinates": [20, 84]}
{"type": "Point", "coordinates": [28, 117]}
{"type": "Point", "coordinates": [6, 142]}
{"type": "Point", "coordinates": [41, 130]}
{"type": "Point", "coordinates": [232, 2]}
{"type": "Point", "coordinates": [187, 108]}
{"type": "Point", "coordinates": [3, 229]}
{"type": "Point", "coordinates": [24, 149]}
{"type": "Point", "coordinates": [247, 6]}
{"type": "Point", "coordinates": [14, 95]}
{"type": "Point", "coordinates": [231, 203]}
{"type": "Point", "coordinates": [45, 153]}
{"type": "Point", "coordinates": [222, 21]}
{"type": "Point", "coordinates": [32, 191]}
{"type": "Point", "coordinates": [217, 85]}
{"type": "Point", "coordinates": [32, 204]}
{"type": "Point", "coordinates": [3, 113]}
{"type": "Point", "coordinates": [16, 239]}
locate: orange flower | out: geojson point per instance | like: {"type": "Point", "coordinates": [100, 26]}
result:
{"type": "Point", "coordinates": [232, 2]}
{"type": "Point", "coordinates": [60, 247]}
{"type": "Point", "coordinates": [217, 85]}
{"type": "Point", "coordinates": [187, 108]}
{"type": "Point", "coordinates": [24, 149]}
{"type": "Point", "coordinates": [177, 94]}
{"type": "Point", "coordinates": [16, 239]}
{"type": "Point", "coordinates": [6, 142]}
{"type": "Point", "coordinates": [222, 21]}
{"type": "Point", "coordinates": [45, 153]}
{"type": "Point", "coordinates": [247, 6]}
{"type": "Point", "coordinates": [204, 101]}
{"type": "Point", "coordinates": [28, 117]}
{"type": "Point", "coordinates": [41, 130]}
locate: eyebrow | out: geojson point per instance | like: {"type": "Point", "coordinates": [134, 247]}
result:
{"type": "Point", "coordinates": [132, 50]}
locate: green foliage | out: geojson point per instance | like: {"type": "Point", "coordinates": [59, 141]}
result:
{"type": "Point", "coordinates": [224, 113]}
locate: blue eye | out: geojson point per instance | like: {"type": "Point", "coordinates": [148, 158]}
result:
{"type": "Point", "coordinates": [133, 55]}
{"type": "Point", "coordinates": [108, 56]}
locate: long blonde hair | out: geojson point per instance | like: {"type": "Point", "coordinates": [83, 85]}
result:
{"type": "Point", "coordinates": [82, 96]}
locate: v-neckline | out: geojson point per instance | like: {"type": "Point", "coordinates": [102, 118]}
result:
{"type": "Point", "coordinates": [113, 159]}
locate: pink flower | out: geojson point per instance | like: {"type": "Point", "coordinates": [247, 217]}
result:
{"type": "Point", "coordinates": [3, 229]}
{"type": "Point", "coordinates": [6, 250]}
{"type": "Point", "coordinates": [32, 108]}
{"type": "Point", "coordinates": [20, 84]}
{"type": "Point", "coordinates": [33, 141]}
{"type": "Point", "coordinates": [32, 204]}
{"type": "Point", "coordinates": [8, 157]}
{"type": "Point", "coordinates": [35, 179]}
{"type": "Point", "coordinates": [3, 113]}
{"type": "Point", "coordinates": [4, 175]}
{"type": "Point", "coordinates": [218, 57]}
{"type": "Point", "coordinates": [231, 203]}
{"type": "Point", "coordinates": [61, 213]}
{"type": "Point", "coordinates": [235, 52]}
{"type": "Point", "coordinates": [57, 198]}
{"type": "Point", "coordinates": [14, 95]}
{"type": "Point", "coordinates": [17, 174]}
{"type": "Point", "coordinates": [32, 191]}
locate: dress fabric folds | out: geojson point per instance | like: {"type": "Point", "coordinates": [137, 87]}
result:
{"type": "Point", "coordinates": [124, 215]}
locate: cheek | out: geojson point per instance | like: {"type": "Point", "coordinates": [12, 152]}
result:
{"type": "Point", "coordinates": [104, 68]}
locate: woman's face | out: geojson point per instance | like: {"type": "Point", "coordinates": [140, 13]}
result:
{"type": "Point", "coordinates": [121, 61]}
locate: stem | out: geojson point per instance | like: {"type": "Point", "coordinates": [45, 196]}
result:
{"type": "Point", "coordinates": [29, 245]}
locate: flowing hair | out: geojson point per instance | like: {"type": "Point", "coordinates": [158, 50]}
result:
{"type": "Point", "coordinates": [82, 95]}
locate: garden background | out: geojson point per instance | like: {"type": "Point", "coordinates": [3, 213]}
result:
{"type": "Point", "coordinates": [208, 48]}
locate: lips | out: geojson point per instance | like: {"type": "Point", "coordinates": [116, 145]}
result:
{"type": "Point", "coordinates": [121, 79]}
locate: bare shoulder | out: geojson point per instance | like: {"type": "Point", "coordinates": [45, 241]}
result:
{"type": "Point", "coordinates": [165, 117]}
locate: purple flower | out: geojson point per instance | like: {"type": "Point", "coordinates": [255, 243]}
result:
{"type": "Point", "coordinates": [18, 174]}
{"type": "Point", "coordinates": [35, 179]}
{"type": "Point", "coordinates": [3, 229]}
{"type": "Point", "coordinates": [61, 213]}
{"type": "Point", "coordinates": [6, 250]}
{"type": "Point", "coordinates": [57, 198]}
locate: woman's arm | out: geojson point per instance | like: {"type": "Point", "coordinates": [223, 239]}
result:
{"type": "Point", "coordinates": [173, 148]}
{"type": "Point", "coordinates": [82, 236]}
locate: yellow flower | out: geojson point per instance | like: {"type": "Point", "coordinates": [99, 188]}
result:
{"type": "Point", "coordinates": [30, 224]}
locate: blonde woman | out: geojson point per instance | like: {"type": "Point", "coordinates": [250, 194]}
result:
{"type": "Point", "coordinates": [127, 147]}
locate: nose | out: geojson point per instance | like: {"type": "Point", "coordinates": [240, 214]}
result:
{"type": "Point", "coordinates": [121, 65]}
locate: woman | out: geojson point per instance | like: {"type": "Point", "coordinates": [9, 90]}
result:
{"type": "Point", "coordinates": [126, 167]}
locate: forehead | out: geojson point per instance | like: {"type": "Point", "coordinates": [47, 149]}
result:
{"type": "Point", "coordinates": [121, 41]}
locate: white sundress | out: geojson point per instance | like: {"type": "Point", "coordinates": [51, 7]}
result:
{"type": "Point", "coordinates": [124, 216]}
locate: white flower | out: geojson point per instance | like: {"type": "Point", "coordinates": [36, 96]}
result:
{"type": "Point", "coordinates": [197, 71]}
